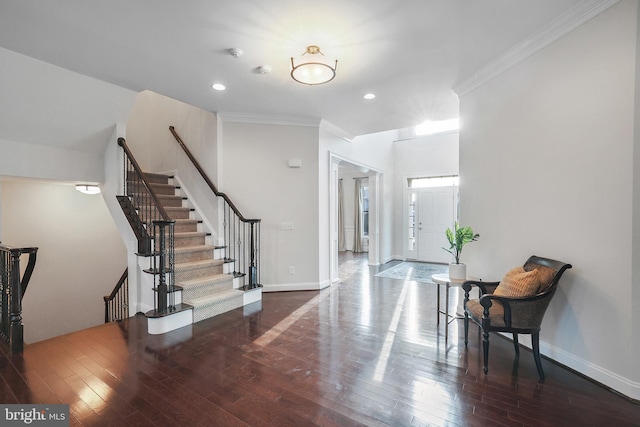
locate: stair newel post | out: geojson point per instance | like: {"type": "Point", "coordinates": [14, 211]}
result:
{"type": "Point", "coordinates": [162, 282]}
{"type": "Point", "coordinates": [6, 270]}
{"type": "Point", "coordinates": [239, 251]}
{"type": "Point", "coordinates": [252, 263]}
{"type": "Point", "coordinates": [165, 258]}
{"type": "Point", "coordinates": [234, 255]}
{"type": "Point", "coordinates": [15, 326]}
{"type": "Point", "coordinates": [170, 265]}
{"type": "Point", "coordinates": [225, 225]}
{"type": "Point", "coordinates": [258, 243]}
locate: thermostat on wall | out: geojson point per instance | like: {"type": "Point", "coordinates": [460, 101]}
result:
{"type": "Point", "coordinates": [295, 163]}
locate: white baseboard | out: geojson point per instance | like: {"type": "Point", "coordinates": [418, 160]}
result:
{"type": "Point", "coordinates": [624, 386]}
{"type": "Point", "coordinates": [309, 286]}
{"type": "Point", "coordinates": [394, 258]}
{"type": "Point", "coordinates": [610, 379]}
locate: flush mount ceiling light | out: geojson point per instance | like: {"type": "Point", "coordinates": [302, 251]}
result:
{"type": "Point", "coordinates": [313, 72]}
{"type": "Point", "coordinates": [88, 189]}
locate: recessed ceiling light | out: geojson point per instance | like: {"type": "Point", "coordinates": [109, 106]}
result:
{"type": "Point", "coordinates": [369, 96]}
{"type": "Point", "coordinates": [218, 86]}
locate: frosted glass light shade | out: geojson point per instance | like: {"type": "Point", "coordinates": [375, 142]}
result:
{"type": "Point", "coordinates": [313, 73]}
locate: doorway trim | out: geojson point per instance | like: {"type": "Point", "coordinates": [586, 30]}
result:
{"type": "Point", "coordinates": [375, 183]}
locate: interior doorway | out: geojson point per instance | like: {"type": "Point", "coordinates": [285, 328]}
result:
{"type": "Point", "coordinates": [346, 178]}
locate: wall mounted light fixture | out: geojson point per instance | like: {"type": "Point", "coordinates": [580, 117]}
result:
{"type": "Point", "coordinates": [313, 72]}
{"type": "Point", "coordinates": [88, 189]}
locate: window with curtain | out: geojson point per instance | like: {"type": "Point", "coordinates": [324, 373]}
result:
{"type": "Point", "coordinates": [365, 208]}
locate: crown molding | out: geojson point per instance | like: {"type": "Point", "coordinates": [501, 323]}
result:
{"type": "Point", "coordinates": [565, 23]}
{"type": "Point", "coordinates": [269, 119]}
{"type": "Point", "coordinates": [335, 130]}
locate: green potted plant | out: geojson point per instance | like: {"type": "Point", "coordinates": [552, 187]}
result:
{"type": "Point", "coordinates": [457, 238]}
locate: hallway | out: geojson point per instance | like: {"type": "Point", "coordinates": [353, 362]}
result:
{"type": "Point", "coordinates": [365, 351]}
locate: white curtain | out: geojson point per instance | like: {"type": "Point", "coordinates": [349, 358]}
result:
{"type": "Point", "coordinates": [341, 239]}
{"type": "Point", "coordinates": [357, 220]}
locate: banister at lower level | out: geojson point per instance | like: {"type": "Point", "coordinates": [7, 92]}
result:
{"type": "Point", "coordinates": [13, 288]}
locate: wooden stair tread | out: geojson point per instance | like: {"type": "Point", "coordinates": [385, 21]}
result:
{"type": "Point", "coordinates": [190, 234]}
{"type": "Point", "coordinates": [196, 248]}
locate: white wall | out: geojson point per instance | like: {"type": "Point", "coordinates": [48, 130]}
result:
{"type": "Point", "coordinates": [260, 183]}
{"type": "Point", "coordinates": [54, 123]}
{"type": "Point", "coordinates": [155, 147]}
{"type": "Point", "coordinates": [546, 162]}
{"type": "Point", "coordinates": [156, 150]}
{"type": "Point", "coordinates": [80, 257]}
{"type": "Point", "coordinates": [635, 289]}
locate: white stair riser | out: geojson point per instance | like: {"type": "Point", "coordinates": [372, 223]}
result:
{"type": "Point", "coordinates": [162, 325]}
{"type": "Point", "coordinates": [252, 296]}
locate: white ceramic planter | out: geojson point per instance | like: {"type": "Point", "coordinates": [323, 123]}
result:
{"type": "Point", "coordinates": [457, 271]}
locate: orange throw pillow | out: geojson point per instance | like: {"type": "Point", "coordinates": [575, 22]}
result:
{"type": "Point", "coordinates": [518, 283]}
{"type": "Point", "coordinates": [545, 276]}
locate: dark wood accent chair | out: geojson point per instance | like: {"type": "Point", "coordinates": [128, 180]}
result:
{"type": "Point", "coordinates": [518, 315]}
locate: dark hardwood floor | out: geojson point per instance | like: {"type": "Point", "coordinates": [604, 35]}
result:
{"type": "Point", "coordinates": [364, 352]}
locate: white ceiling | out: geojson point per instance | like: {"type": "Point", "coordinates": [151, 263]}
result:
{"type": "Point", "coordinates": [410, 53]}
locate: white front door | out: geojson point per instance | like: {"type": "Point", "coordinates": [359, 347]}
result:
{"type": "Point", "coordinates": [436, 211]}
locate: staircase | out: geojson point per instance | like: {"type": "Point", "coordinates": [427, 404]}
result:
{"type": "Point", "coordinates": [204, 284]}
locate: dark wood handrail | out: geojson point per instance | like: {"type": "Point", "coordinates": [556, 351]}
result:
{"type": "Point", "coordinates": [121, 281]}
{"type": "Point", "coordinates": [206, 178]}
{"type": "Point", "coordinates": [116, 305]}
{"type": "Point", "coordinates": [136, 166]}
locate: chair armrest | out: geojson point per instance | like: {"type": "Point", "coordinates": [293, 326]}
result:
{"type": "Point", "coordinates": [485, 287]}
